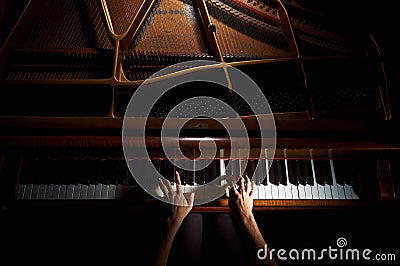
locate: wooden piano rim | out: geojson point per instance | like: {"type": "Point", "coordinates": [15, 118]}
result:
{"type": "Point", "coordinates": [220, 205]}
{"type": "Point", "coordinates": [281, 204]}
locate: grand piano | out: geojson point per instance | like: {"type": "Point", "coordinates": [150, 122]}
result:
{"type": "Point", "coordinates": [68, 70]}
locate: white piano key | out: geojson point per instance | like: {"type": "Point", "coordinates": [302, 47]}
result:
{"type": "Point", "coordinates": [222, 168]}
{"type": "Point", "coordinates": [321, 191]}
{"type": "Point", "coordinates": [77, 191]}
{"type": "Point", "coordinates": [111, 191]}
{"type": "Point", "coordinates": [290, 192]}
{"type": "Point", "coordinates": [186, 189]}
{"type": "Point", "coordinates": [266, 183]}
{"type": "Point", "coordinates": [314, 192]}
{"type": "Point", "coordinates": [97, 191]}
{"type": "Point", "coordinates": [349, 192]}
{"type": "Point", "coordinates": [84, 191]}
{"type": "Point", "coordinates": [274, 191]}
{"type": "Point", "coordinates": [104, 191]}
{"type": "Point", "coordinates": [327, 191]}
{"type": "Point", "coordinates": [70, 192]}
{"type": "Point", "coordinates": [35, 191]}
{"type": "Point", "coordinates": [63, 191]}
{"type": "Point", "coordinates": [56, 192]}
{"type": "Point", "coordinates": [281, 191]}
{"type": "Point", "coordinates": [193, 188]}
{"type": "Point", "coordinates": [317, 189]}
{"type": "Point", "coordinates": [42, 191]}
{"type": "Point", "coordinates": [295, 191]}
{"type": "Point", "coordinates": [256, 192]}
{"type": "Point", "coordinates": [268, 191]}
{"type": "Point", "coordinates": [28, 191]}
{"type": "Point", "coordinates": [302, 191]}
{"type": "Point", "coordinates": [335, 191]}
{"type": "Point", "coordinates": [21, 191]}
{"type": "Point", "coordinates": [91, 191]}
{"type": "Point", "coordinates": [49, 191]}
{"type": "Point", "coordinates": [308, 189]}
{"type": "Point", "coordinates": [259, 193]}
{"type": "Point", "coordinates": [224, 182]}
{"type": "Point", "coordinates": [341, 193]}
{"type": "Point", "coordinates": [243, 153]}
{"type": "Point", "coordinates": [335, 186]}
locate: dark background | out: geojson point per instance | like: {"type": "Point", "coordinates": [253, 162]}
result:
{"type": "Point", "coordinates": [110, 236]}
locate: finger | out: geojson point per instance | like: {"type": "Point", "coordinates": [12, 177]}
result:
{"type": "Point", "coordinates": [191, 199]}
{"type": "Point", "coordinates": [233, 194]}
{"type": "Point", "coordinates": [241, 184]}
{"type": "Point", "coordinates": [163, 188]}
{"type": "Point", "coordinates": [178, 182]}
{"type": "Point", "coordinates": [170, 188]}
{"type": "Point", "coordinates": [247, 183]}
{"type": "Point", "coordinates": [234, 188]}
{"type": "Point", "coordinates": [252, 188]}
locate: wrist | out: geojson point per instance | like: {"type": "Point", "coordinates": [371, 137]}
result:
{"type": "Point", "coordinates": [248, 220]}
{"type": "Point", "coordinates": [173, 223]}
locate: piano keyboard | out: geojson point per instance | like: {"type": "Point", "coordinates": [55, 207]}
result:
{"type": "Point", "coordinates": [293, 178]}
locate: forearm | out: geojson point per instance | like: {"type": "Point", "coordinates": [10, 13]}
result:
{"type": "Point", "coordinates": [253, 234]}
{"type": "Point", "coordinates": [162, 252]}
{"type": "Point", "coordinates": [255, 241]}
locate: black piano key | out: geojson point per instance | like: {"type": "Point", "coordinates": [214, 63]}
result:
{"type": "Point", "coordinates": [236, 167]}
{"type": "Point", "coordinates": [258, 172]}
{"type": "Point", "coordinates": [89, 177]}
{"type": "Point", "coordinates": [293, 171]}
{"type": "Point", "coordinates": [308, 173]}
{"type": "Point", "coordinates": [88, 169]}
{"type": "Point", "coordinates": [169, 170]}
{"type": "Point", "coordinates": [228, 167]}
{"type": "Point", "coordinates": [199, 177]}
{"type": "Point", "coordinates": [213, 170]}
{"type": "Point", "coordinates": [187, 172]}
{"type": "Point", "coordinates": [301, 171]}
{"type": "Point", "coordinates": [353, 173]}
{"type": "Point", "coordinates": [109, 176]}
{"type": "Point", "coordinates": [341, 169]}
{"type": "Point", "coordinates": [187, 177]}
{"type": "Point", "coordinates": [51, 179]}
{"type": "Point", "coordinates": [327, 171]}
{"type": "Point", "coordinates": [319, 171]}
{"type": "Point", "coordinates": [251, 166]}
{"type": "Point", "coordinates": [273, 175]}
{"type": "Point", "coordinates": [121, 171]}
{"type": "Point", "coordinates": [281, 171]}
{"type": "Point", "coordinates": [266, 171]}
